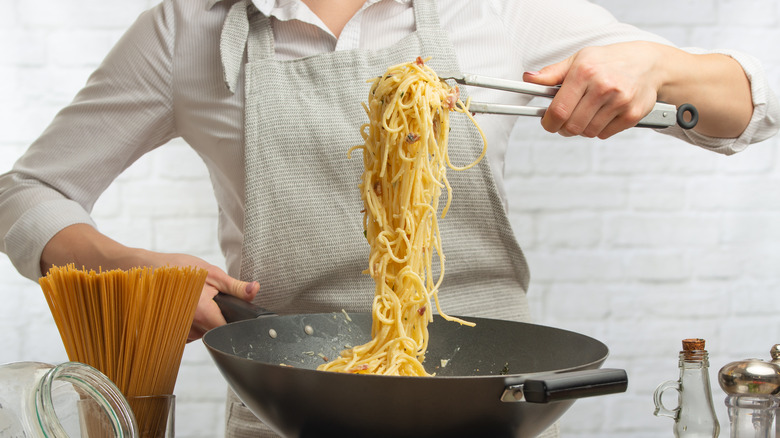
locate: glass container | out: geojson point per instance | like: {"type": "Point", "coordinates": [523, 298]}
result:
{"type": "Point", "coordinates": [751, 416]}
{"type": "Point", "coordinates": [694, 416]}
{"type": "Point", "coordinates": [155, 415]}
{"type": "Point", "coordinates": [69, 400]}
{"type": "Point", "coordinates": [775, 353]}
{"type": "Point", "coordinates": [752, 386]}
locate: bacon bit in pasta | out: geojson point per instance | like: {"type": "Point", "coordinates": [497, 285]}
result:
{"type": "Point", "coordinates": [419, 61]}
{"type": "Point", "coordinates": [452, 98]}
{"type": "Point", "coordinates": [363, 367]}
{"type": "Point", "coordinates": [421, 311]}
{"type": "Point", "coordinates": [378, 188]}
{"type": "Point", "coordinates": [412, 137]}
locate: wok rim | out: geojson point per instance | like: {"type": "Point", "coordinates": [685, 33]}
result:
{"type": "Point", "coordinates": [511, 377]}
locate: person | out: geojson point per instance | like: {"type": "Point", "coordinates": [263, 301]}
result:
{"type": "Point", "coordinates": [268, 93]}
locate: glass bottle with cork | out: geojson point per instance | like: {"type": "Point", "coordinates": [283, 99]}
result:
{"type": "Point", "coordinates": [694, 416]}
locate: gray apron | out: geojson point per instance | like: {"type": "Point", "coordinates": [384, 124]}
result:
{"type": "Point", "coordinates": [303, 232]}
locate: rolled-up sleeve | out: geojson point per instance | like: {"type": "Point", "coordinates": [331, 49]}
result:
{"type": "Point", "coordinates": [764, 122]}
{"type": "Point", "coordinates": [124, 111]}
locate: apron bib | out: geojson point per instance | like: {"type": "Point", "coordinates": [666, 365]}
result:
{"type": "Point", "coordinates": [303, 232]}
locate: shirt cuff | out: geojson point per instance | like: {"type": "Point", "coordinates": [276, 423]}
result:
{"type": "Point", "coordinates": [766, 110]}
{"type": "Point", "coordinates": [25, 240]}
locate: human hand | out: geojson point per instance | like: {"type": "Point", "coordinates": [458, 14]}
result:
{"type": "Point", "coordinates": [604, 90]}
{"type": "Point", "coordinates": [85, 246]}
{"type": "Point", "coordinates": [207, 313]}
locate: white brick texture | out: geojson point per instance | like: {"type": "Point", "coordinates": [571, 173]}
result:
{"type": "Point", "coordinates": [639, 241]}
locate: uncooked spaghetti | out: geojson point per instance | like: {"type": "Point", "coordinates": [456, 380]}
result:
{"type": "Point", "coordinates": [405, 162]}
{"type": "Point", "coordinates": [131, 325]}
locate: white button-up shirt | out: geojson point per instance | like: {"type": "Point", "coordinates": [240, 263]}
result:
{"type": "Point", "coordinates": [164, 80]}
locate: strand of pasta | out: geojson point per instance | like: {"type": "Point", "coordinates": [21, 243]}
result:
{"type": "Point", "coordinates": [405, 162]}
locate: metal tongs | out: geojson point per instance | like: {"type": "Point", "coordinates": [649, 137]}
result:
{"type": "Point", "coordinates": [663, 114]}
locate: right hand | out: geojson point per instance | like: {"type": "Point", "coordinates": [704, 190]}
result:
{"type": "Point", "coordinates": [208, 314]}
{"type": "Point", "coordinates": [85, 246]}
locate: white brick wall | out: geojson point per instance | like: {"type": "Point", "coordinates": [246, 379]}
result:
{"type": "Point", "coordinates": [639, 241]}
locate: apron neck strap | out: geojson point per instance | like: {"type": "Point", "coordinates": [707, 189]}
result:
{"type": "Point", "coordinates": [426, 15]}
{"type": "Point", "coordinates": [232, 43]}
{"type": "Point", "coordinates": [248, 30]}
{"type": "Point", "coordinates": [261, 35]}
{"type": "Point", "coordinates": [245, 30]}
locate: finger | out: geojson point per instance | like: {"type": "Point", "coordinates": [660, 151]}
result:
{"type": "Point", "coordinates": [552, 74]}
{"type": "Point", "coordinates": [207, 316]}
{"type": "Point", "coordinates": [567, 98]}
{"type": "Point", "coordinates": [598, 123]}
{"type": "Point", "coordinates": [583, 115]}
{"type": "Point", "coordinates": [627, 116]}
{"type": "Point", "coordinates": [618, 124]}
{"type": "Point", "coordinates": [591, 117]}
{"type": "Point", "coordinates": [563, 106]}
{"type": "Point", "coordinates": [598, 107]}
{"type": "Point", "coordinates": [229, 285]}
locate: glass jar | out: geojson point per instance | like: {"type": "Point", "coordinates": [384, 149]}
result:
{"type": "Point", "coordinates": [775, 354]}
{"type": "Point", "coordinates": [68, 400]}
{"type": "Point", "coordinates": [752, 386]}
{"type": "Point", "coordinates": [694, 416]}
{"type": "Point", "coordinates": [751, 416]}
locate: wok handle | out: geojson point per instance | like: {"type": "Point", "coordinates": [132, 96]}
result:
{"type": "Point", "coordinates": [566, 386]}
{"type": "Point", "coordinates": [235, 309]}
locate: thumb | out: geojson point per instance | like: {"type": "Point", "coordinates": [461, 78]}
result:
{"type": "Point", "coordinates": [551, 75]}
{"type": "Point", "coordinates": [232, 286]}
{"type": "Point", "coordinates": [243, 289]}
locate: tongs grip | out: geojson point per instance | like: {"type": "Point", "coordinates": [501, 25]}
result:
{"type": "Point", "coordinates": [662, 115]}
{"type": "Point", "coordinates": [507, 85]}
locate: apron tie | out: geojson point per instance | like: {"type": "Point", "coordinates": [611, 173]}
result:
{"type": "Point", "coordinates": [232, 43]}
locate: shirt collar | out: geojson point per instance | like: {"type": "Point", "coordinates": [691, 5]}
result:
{"type": "Point", "coordinates": [268, 6]}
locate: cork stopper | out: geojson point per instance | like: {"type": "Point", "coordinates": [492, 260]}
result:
{"type": "Point", "coordinates": [693, 344]}
{"type": "Point", "coordinates": [775, 353]}
{"type": "Point", "coordinates": [693, 348]}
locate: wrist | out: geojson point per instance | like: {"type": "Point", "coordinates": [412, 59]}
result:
{"type": "Point", "coordinates": [671, 69]}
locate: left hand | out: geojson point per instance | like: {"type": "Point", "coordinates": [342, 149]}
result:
{"type": "Point", "coordinates": [604, 89]}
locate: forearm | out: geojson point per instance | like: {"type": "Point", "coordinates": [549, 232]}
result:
{"type": "Point", "coordinates": [715, 84]}
{"type": "Point", "coordinates": [84, 246]}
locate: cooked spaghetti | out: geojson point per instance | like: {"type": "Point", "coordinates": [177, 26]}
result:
{"type": "Point", "coordinates": [405, 162]}
{"type": "Point", "coordinates": [131, 325]}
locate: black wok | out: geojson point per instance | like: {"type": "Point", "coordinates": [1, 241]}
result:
{"type": "Point", "coordinates": [498, 379]}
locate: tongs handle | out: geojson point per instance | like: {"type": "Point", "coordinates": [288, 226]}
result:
{"type": "Point", "coordinates": [662, 115]}
{"type": "Point", "coordinates": [507, 85]}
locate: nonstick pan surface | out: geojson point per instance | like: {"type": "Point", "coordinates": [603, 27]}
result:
{"type": "Point", "coordinates": [270, 363]}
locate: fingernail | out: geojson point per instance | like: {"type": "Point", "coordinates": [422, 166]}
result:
{"type": "Point", "coordinates": [250, 287]}
{"type": "Point", "coordinates": [532, 73]}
